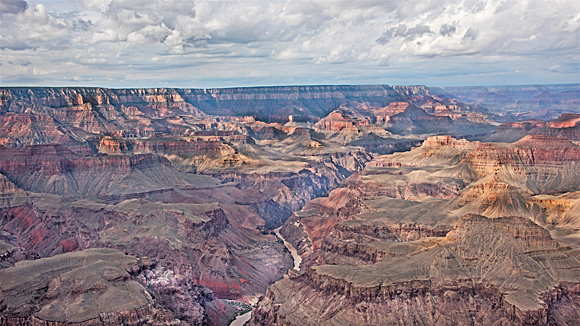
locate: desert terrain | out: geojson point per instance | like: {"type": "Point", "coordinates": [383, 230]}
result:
{"type": "Point", "coordinates": [308, 205]}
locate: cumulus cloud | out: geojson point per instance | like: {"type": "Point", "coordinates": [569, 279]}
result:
{"type": "Point", "coordinates": [120, 39]}
{"type": "Point", "coordinates": [12, 6]}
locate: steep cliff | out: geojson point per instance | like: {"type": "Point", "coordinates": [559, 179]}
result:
{"type": "Point", "coordinates": [486, 271]}
{"type": "Point", "coordinates": [197, 179]}
{"type": "Point", "coordinates": [419, 194]}
{"type": "Point", "coordinates": [257, 101]}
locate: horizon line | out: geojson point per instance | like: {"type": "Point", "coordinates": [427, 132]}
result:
{"type": "Point", "coordinates": [297, 85]}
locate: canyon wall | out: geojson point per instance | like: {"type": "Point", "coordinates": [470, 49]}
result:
{"type": "Point", "coordinates": [192, 182]}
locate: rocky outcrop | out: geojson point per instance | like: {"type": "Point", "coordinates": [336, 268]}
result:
{"type": "Point", "coordinates": [493, 198]}
{"type": "Point", "coordinates": [192, 246]}
{"type": "Point", "coordinates": [400, 204]}
{"type": "Point", "coordinates": [566, 120]}
{"type": "Point", "coordinates": [54, 159]}
{"type": "Point", "coordinates": [479, 274]}
{"type": "Point", "coordinates": [526, 232]}
{"type": "Point", "coordinates": [208, 145]}
{"type": "Point", "coordinates": [341, 120]}
{"type": "Point", "coordinates": [88, 287]}
{"type": "Point", "coordinates": [530, 150]}
{"type": "Point", "coordinates": [435, 150]}
{"type": "Point", "coordinates": [406, 190]}
{"type": "Point", "coordinates": [55, 169]}
{"type": "Point", "coordinates": [383, 146]}
{"type": "Point", "coordinates": [539, 164]}
{"type": "Point", "coordinates": [17, 130]}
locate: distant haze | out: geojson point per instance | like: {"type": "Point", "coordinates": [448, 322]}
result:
{"type": "Point", "coordinates": [206, 44]}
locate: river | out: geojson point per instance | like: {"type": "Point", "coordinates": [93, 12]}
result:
{"type": "Point", "coordinates": [293, 251]}
{"type": "Point", "coordinates": [242, 319]}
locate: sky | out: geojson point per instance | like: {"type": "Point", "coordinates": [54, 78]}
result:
{"type": "Point", "coordinates": [213, 44]}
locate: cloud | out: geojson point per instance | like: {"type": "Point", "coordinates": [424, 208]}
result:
{"type": "Point", "coordinates": [34, 28]}
{"type": "Point", "coordinates": [447, 29]}
{"type": "Point", "coordinates": [471, 34]}
{"type": "Point", "coordinates": [120, 37]}
{"type": "Point", "coordinates": [20, 62]}
{"type": "Point", "coordinates": [12, 6]}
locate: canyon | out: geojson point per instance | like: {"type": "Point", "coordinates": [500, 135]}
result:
{"type": "Point", "coordinates": [329, 205]}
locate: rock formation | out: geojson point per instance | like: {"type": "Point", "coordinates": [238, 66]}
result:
{"type": "Point", "coordinates": [88, 287]}
{"type": "Point", "coordinates": [190, 183]}
{"type": "Point", "coordinates": [399, 242]}
{"type": "Point", "coordinates": [567, 126]}
{"type": "Point", "coordinates": [486, 271]}
{"type": "Point", "coordinates": [545, 102]}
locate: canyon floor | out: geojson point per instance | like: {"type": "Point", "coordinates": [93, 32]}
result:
{"type": "Point", "coordinates": [310, 205]}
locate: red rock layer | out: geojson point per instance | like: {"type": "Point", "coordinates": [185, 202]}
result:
{"type": "Point", "coordinates": [337, 121]}
{"type": "Point", "coordinates": [210, 146]}
{"type": "Point", "coordinates": [54, 159]}
{"type": "Point", "coordinates": [529, 151]}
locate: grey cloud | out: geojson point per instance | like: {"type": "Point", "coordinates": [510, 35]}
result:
{"type": "Point", "coordinates": [471, 34]}
{"type": "Point", "coordinates": [82, 25]}
{"type": "Point", "coordinates": [12, 6]}
{"type": "Point", "coordinates": [402, 31]}
{"type": "Point", "coordinates": [447, 29]}
{"type": "Point", "coordinates": [385, 38]}
{"type": "Point", "coordinates": [419, 30]}
{"type": "Point", "coordinates": [20, 62]}
{"type": "Point", "coordinates": [409, 33]}
{"type": "Point", "coordinates": [15, 45]}
{"type": "Point", "coordinates": [35, 28]}
{"type": "Point", "coordinates": [475, 6]}
{"type": "Point", "coordinates": [237, 38]}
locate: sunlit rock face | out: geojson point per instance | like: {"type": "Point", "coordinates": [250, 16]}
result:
{"type": "Point", "coordinates": [401, 203]}
{"type": "Point", "coordinates": [451, 232]}
{"type": "Point", "coordinates": [486, 270]}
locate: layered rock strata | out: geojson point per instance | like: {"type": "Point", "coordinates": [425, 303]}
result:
{"type": "Point", "coordinates": [88, 287]}
{"type": "Point", "coordinates": [196, 180]}
{"type": "Point", "coordinates": [486, 271]}
{"type": "Point", "coordinates": [417, 195]}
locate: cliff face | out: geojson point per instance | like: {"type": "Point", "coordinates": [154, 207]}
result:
{"type": "Point", "coordinates": [400, 201]}
{"type": "Point", "coordinates": [259, 101]}
{"type": "Point", "coordinates": [197, 179]}
{"type": "Point", "coordinates": [566, 126]}
{"type": "Point", "coordinates": [478, 274]}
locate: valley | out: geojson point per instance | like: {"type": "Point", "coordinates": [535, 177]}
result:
{"type": "Point", "coordinates": [316, 205]}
